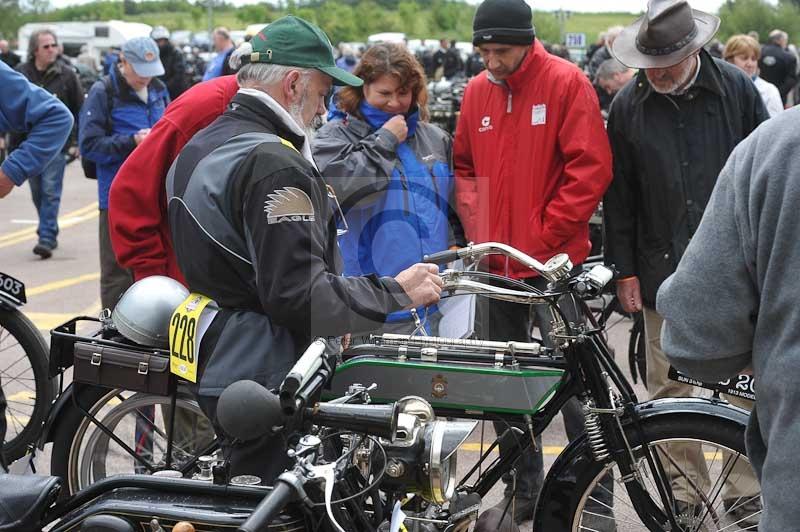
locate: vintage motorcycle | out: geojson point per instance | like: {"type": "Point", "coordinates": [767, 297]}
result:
{"type": "Point", "coordinates": [354, 462]}
{"type": "Point", "coordinates": [657, 465]}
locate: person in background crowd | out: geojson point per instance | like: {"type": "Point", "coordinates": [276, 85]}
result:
{"type": "Point", "coordinates": [777, 65]}
{"type": "Point", "coordinates": [425, 58]}
{"type": "Point", "coordinates": [744, 51]}
{"type": "Point", "coordinates": [754, 35]}
{"type": "Point", "coordinates": [43, 69]}
{"type": "Point", "coordinates": [382, 159]}
{"type": "Point", "coordinates": [117, 117]}
{"type": "Point", "coordinates": [174, 64]}
{"type": "Point", "coordinates": [88, 59]}
{"type": "Point", "coordinates": [110, 60]}
{"type": "Point", "coordinates": [604, 53]}
{"type": "Point", "coordinates": [474, 64]}
{"type": "Point", "coordinates": [7, 56]}
{"type": "Point", "coordinates": [610, 77]}
{"type": "Point", "coordinates": [593, 48]}
{"type": "Point", "coordinates": [137, 201]}
{"type": "Point", "coordinates": [223, 45]}
{"type": "Point", "coordinates": [558, 50]}
{"type": "Point", "coordinates": [530, 172]}
{"type": "Point", "coordinates": [715, 49]}
{"type": "Point", "coordinates": [744, 254]}
{"type": "Point", "coordinates": [347, 58]}
{"type": "Point", "coordinates": [668, 149]}
{"type": "Point", "coordinates": [47, 123]}
{"type": "Point", "coordinates": [448, 59]}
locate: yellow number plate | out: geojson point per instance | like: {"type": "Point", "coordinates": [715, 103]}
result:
{"type": "Point", "coordinates": [183, 336]}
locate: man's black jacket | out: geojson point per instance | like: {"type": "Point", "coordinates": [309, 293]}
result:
{"type": "Point", "coordinates": [778, 66]}
{"type": "Point", "coordinates": [174, 70]}
{"type": "Point", "coordinates": [668, 151]}
{"type": "Point", "coordinates": [254, 229]}
{"type": "Point", "coordinates": [61, 81]}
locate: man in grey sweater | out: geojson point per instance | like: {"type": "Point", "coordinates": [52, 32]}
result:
{"type": "Point", "coordinates": [746, 253]}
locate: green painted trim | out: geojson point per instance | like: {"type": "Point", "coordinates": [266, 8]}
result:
{"type": "Point", "coordinates": [327, 397]}
{"type": "Point", "coordinates": [456, 369]}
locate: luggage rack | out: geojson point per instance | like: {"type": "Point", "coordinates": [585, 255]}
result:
{"type": "Point", "coordinates": [64, 337]}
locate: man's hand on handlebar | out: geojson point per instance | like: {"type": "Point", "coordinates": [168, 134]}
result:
{"type": "Point", "coordinates": [422, 284]}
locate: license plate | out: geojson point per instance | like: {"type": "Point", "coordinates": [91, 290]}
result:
{"type": "Point", "coordinates": [740, 386]}
{"type": "Point", "coordinates": [13, 288]}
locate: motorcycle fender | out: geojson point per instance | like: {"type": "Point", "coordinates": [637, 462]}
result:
{"type": "Point", "coordinates": [575, 461]}
{"type": "Point", "coordinates": [62, 406]}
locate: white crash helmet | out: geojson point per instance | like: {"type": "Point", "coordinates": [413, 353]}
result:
{"type": "Point", "coordinates": [143, 312]}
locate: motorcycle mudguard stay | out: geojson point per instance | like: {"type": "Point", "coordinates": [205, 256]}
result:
{"type": "Point", "coordinates": [59, 412]}
{"type": "Point", "coordinates": [560, 486]}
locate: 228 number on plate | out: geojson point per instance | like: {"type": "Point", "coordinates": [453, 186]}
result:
{"type": "Point", "coordinates": [183, 336]}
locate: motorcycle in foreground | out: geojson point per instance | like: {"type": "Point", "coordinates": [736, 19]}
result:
{"type": "Point", "coordinates": [657, 466]}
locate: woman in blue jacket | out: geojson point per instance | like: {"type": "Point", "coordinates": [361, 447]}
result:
{"type": "Point", "coordinates": [391, 172]}
{"type": "Point", "coordinates": [115, 118]}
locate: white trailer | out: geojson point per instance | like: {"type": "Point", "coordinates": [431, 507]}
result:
{"type": "Point", "coordinates": [98, 36]}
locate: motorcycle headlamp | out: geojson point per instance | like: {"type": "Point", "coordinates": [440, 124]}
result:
{"type": "Point", "coordinates": [442, 441]}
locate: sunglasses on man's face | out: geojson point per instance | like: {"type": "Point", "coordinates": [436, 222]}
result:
{"type": "Point", "coordinates": [48, 46]}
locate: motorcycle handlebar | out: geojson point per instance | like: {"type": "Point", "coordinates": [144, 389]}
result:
{"type": "Point", "coordinates": [271, 506]}
{"type": "Point", "coordinates": [441, 257]}
{"type": "Point", "coordinates": [375, 420]}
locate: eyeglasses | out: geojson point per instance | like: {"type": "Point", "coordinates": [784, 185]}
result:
{"type": "Point", "coordinates": [48, 46]}
{"type": "Point", "coordinates": [341, 224]}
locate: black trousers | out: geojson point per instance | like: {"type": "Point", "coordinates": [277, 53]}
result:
{"type": "Point", "coordinates": [505, 321]}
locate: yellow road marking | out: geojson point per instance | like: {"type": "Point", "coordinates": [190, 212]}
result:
{"type": "Point", "coordinates": [68, 220]}
{"type": "Point", "coordinates": [64, 283]}
{"type": "Point", "coordinates": [45, 321]}
{"type": "Point", "coordinates": [549, 450]}
{"type": "Point", "coordinates": [21, 396]}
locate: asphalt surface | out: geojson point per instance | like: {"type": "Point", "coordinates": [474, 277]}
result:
{"type": "Point", "coordinates": [67, 284]}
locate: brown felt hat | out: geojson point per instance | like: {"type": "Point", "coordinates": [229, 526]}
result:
{"type": "Point", "coordinates": [669, 32]}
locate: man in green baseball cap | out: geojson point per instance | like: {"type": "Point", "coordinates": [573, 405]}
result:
{"type": "Point", "coordinates": [254, 227]}
{"type": "Point", "coordinates": [293, 41]}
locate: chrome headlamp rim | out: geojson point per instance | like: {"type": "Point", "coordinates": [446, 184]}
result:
{"type": "Point", "coordinates": [443, 458]}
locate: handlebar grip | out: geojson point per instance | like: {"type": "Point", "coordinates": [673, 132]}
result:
{"type": "Point", "coordinates": [375, 420]}
{"type": "Point", "coordinates": [269, 508]}
{"type": "Point", "coordinates": [441, 257]}
{"type": "Point", "coordinates": [303, 369]}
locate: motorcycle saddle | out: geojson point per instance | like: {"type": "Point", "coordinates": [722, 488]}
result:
{"type": "Point", "coordinates": [24, 500]}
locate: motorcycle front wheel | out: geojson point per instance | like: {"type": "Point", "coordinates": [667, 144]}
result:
{"type": "Point", "coordinates": [713, 486]}
{"type": "Point", "coordinates": [23, 376]}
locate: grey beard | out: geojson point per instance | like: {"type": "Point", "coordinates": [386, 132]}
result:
{"type": "Point", "coordinates": [310, 130]}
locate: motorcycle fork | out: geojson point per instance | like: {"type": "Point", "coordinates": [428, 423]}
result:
{"type": "Point", "coordinates": [611, 410]}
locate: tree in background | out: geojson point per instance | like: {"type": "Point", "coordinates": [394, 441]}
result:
{"type": "Point", "coordinates": [742, 16]}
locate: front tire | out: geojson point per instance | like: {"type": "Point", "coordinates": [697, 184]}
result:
{"type": "Point", "coordinates": [26, 384]}
{"type": "Point", "coordinates": [580, 500]}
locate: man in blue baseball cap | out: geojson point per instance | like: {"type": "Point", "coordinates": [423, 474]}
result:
{"type": "Point", "coordinates": [116, 117]}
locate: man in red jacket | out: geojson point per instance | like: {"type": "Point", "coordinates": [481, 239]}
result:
{"type": "Point", "coordinates": [532, 162]}
{"type": "Point", "coordinates": [138, 199]}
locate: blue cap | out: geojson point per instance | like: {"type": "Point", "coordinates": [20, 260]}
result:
{"type": "Point", "coordinates": [143, 55]}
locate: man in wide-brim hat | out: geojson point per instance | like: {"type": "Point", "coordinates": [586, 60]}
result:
{"type": "Point", "coordinates": [671, 129]}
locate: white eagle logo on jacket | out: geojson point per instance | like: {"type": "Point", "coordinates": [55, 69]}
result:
{"type": "Point", "coordinates": [288, 204]}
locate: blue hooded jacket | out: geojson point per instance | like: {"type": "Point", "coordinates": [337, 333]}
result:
{"type": "Point", "coordinates": [109, 140]}
{"type": "Point", "coordinates": [395, 196]}
{"type": "Point", "coordinates": [26, 108]}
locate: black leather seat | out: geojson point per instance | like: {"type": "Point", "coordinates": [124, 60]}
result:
{"type": "Point", "coordinates": [24, 499]}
